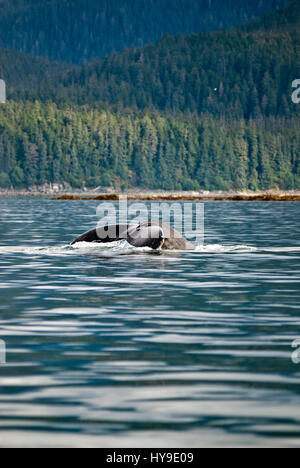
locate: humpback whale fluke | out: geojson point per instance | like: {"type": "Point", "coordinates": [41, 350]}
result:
{"type": "Point", "coordinates": [155, 235]}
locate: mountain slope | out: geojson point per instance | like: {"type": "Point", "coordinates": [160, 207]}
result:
{"type": "Point", "coordinates": [27, 75]}
{"type": "Point", "coordinates": [204, 111]}
{"type": "Point", "coordinates": [234, 74]}
{"type": "Point", "coordinates": [287, 16]}
{"type": "Point", "coordinates": [80, 30]}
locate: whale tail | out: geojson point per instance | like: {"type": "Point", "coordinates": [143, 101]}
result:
{"type": "Point", "coordinates": [104, 234]}
{"type": "Point", "coordinates": [143, 235]}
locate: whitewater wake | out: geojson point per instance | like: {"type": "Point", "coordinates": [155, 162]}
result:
{"type": "Point", "coordinates": [123, 248]}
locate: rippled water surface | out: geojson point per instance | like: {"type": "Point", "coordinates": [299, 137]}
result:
{"type": "Point", "coordinates": [114, 346]}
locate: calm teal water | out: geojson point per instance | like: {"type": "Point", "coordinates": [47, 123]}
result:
{"type": "Point", "coordinates": [112, 346]}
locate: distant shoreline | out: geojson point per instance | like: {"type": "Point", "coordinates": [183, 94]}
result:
{"type": "Point", "coordinates": [270, 195]}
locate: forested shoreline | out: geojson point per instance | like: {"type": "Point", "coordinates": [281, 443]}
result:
{"type": "Point", "coordinates": [208, 111]}
{"type": "Point", "coordinates": [88, 146]}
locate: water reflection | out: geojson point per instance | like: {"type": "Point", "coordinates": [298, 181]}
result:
{"type": "Point", "coordinates": [117, 347]}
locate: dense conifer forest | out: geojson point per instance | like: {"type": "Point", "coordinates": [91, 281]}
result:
{"type": "Point", "coordinates": [79, 30]}
{"type": "Point", "coordinates": [40, 143]}
{"type": "Point", "coordinates": [243, 73]}
{"type": "Point", "coordinates": [202, 111]}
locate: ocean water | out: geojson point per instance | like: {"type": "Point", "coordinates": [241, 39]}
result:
{"type": "Point", "coordinates": [112, 346]}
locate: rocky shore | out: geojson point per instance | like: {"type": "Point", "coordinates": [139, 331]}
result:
{"type": "Point", "coordinates": [131, 195]}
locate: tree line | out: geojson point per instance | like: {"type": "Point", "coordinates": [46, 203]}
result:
{"type": "Point", "coordinates": [204, 111]}
{"type": "Point", "coordinates": [89, 146]}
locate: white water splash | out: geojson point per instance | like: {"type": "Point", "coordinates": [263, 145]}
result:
{"type": "Point", "coordinates": [219, 248]}
{"type": "Point", "coordinates": [80, 248]}
{"type": "Point", "coordinates": [123, 248]}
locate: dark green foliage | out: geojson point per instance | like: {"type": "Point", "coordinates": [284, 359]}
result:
{"type": "Point", "coordinates": [91, 147]}
{"type": "Point", "coordinates": [232, 75]}
{"type": "Point", "coordinates": [207, 111]}
{"type": "Point", "coordinates": [80, 30]}
{"type": "Point", "coordinates": [228, 74]}
{"type": "Point", "coordinates": [286, 17]}
{"type": "Point", "coordinates": [26, 75]}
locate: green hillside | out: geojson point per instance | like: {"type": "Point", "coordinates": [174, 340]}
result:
{"type": "Point", "coordinates": [80, 30]}
{"type": "Point", "coordinates": [204, 111]}
{"type": "Point", "coordinates": [42, 143]}
{"type": "Point", "coordinates": [235, 74]}
{"type": "Point", "coordinates": [286, 17]}
{"type": "Point", "coordinates": [232, 74]}
{"type": "Point", "coordinates": [27, 76]}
